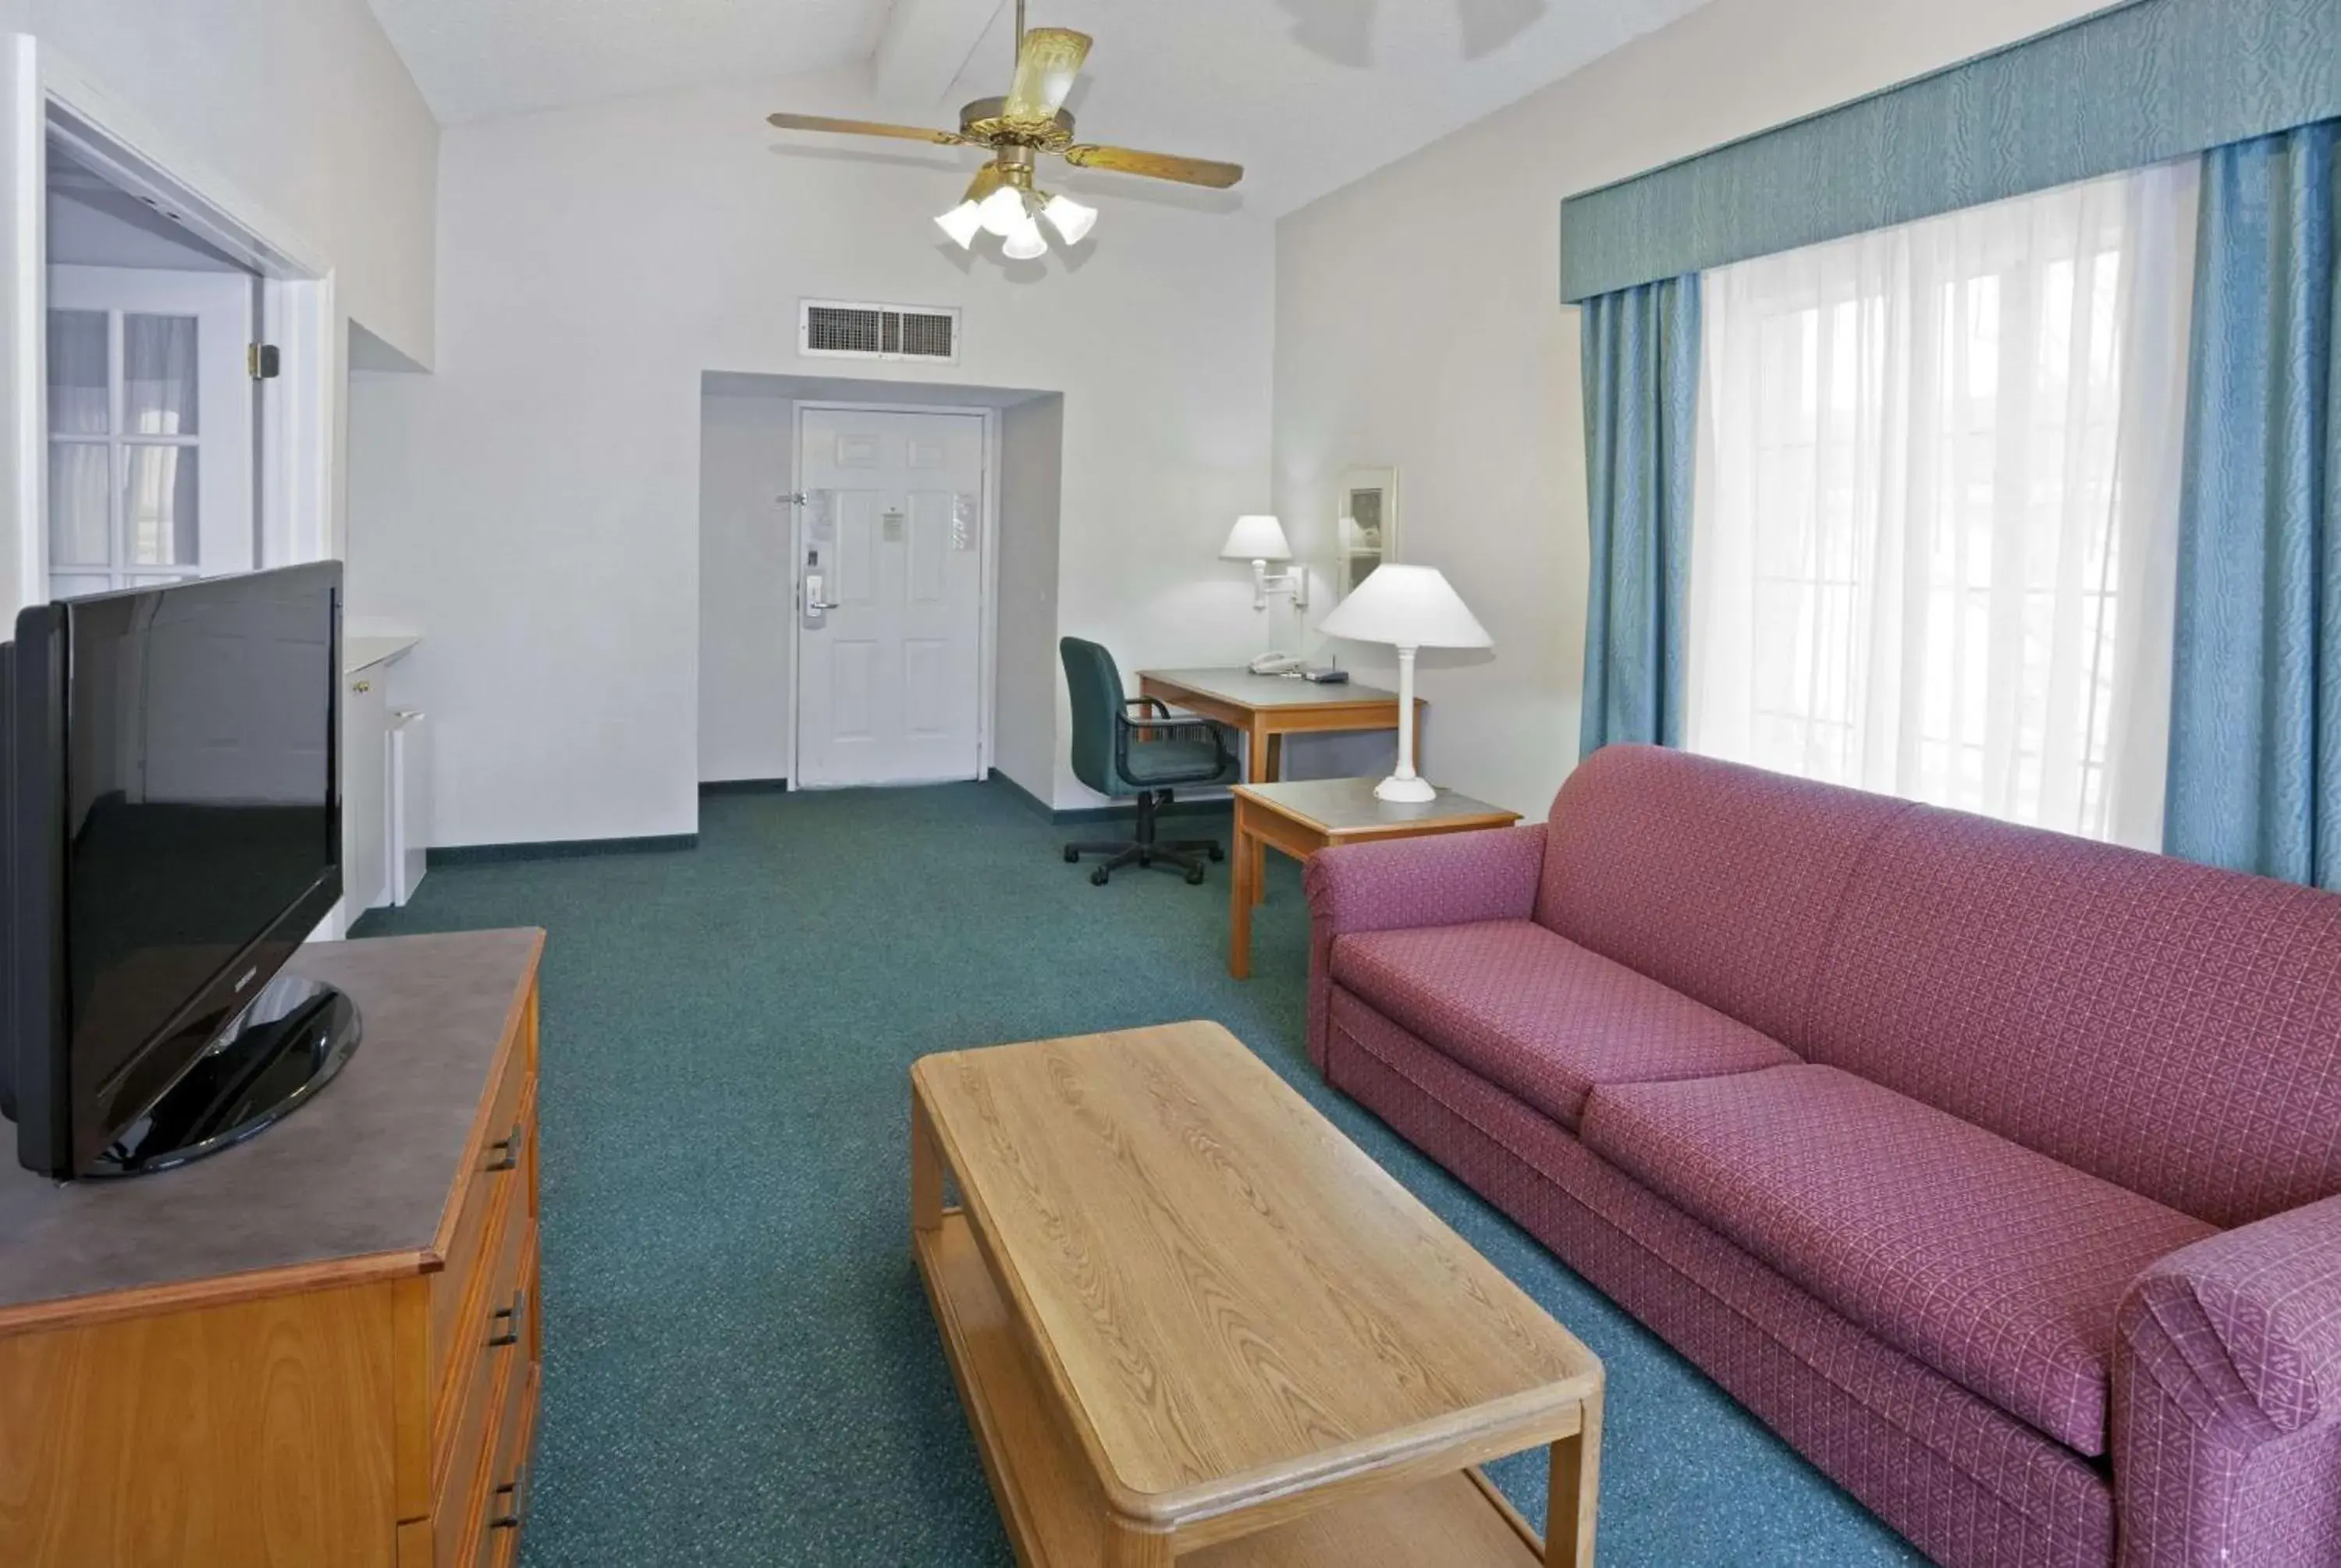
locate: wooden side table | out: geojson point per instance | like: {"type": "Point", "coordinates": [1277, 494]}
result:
{"type": "Point", "coordinates": [1306, 815]}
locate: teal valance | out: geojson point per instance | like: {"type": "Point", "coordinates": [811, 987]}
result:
{"type": "Point", "coordinates": [2136, 85]}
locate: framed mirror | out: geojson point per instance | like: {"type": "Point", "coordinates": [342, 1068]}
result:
{"type": "Point", "coordinates": [1366, 532]}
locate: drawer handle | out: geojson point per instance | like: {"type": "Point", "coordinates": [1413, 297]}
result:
{"type": "Point", "coordinates": [507, 1149]}
{"type": "Point", "coordinates": [509, 1317]}
{"type": "Point", "coordinates": [509, 1505]}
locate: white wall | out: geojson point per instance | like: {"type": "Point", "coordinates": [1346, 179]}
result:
{"type": "Point", "coordinates": [1031, 484]}
{"type": "Point", "coordinates": [1442, 348]}
{"type": "Point", "coordinates": [746, 602]}
{"type": "Point", "coordinates": [302, 104]}
{"type": "Point", "coordinates": [593, 262]}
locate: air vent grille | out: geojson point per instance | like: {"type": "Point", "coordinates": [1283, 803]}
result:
{"type": "Point", "coordinates": [834, 329]}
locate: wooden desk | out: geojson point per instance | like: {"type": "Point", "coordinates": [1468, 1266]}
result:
{"type": "Point", "coordinates": [319, 1347]}
{"type": "Point", "coordinates": [1268, 708]}
{"type": "Point", "coordinates": [1305, 816]}
{"type": "Point", "coordinates": [1189, 1321]}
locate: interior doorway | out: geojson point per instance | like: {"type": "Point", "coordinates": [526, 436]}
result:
{"type": "Point", "coordinates": [173, 416]}
{"type": "Point", "coordinates": [893, 520]}
{"type": "Point", "coordinates": [763, 495]}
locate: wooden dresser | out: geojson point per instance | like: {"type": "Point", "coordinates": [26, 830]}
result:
{"type": "Point", "coordinates": [319, 1349]}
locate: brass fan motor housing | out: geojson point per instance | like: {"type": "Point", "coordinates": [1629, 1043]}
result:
{"type": "Point", "coordinates": [983, 121]}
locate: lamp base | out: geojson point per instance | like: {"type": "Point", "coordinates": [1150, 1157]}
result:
{"type": "Point", "coordinates": [1406, 790]}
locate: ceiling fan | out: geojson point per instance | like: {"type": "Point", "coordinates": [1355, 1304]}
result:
{"type": "Point", "coordinates": [1029, 121]}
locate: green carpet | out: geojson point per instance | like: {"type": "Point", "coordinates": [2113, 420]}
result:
{"type": "Point", "coordinates": [740, 1369]}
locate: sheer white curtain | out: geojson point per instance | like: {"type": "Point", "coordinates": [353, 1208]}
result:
{"type": "Point", "coordinates": [1935, 535]}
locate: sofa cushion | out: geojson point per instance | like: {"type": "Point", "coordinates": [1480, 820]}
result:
{"type": "Point", "coordinates": [2172, 1029]}
{"type": "Point", "coordinates": [1724, 882]}
{"type": "Point", "coordinates": [1538, 1015]}
{"type": "Point", "coordinates": [1996, 1265]}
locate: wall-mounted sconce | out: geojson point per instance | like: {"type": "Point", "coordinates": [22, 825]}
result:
{"type": "Point", "coordinates": [1261, 540]}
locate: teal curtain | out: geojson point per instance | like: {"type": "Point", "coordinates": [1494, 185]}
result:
{"type": "Point", "coordinates": [2255, 709]}
{"type": "Point", "coordinates": [2133, 83]}
{"type": "Point", "coordinates": [1641, 412]}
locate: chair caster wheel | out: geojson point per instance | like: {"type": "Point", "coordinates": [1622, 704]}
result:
{"type": "Point", "coordinates": [1073, 856]}
{"type": "Point", "coordinates": [1194, 876]}
{"type": "Point", "coordinates": [1098, 877]}
{"type": "Point", "coordinates": [1217, 853]}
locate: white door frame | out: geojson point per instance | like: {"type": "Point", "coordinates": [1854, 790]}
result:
{"type": "Point", "coordinates": [987, 655]}
{"type": "Point", "coordinates": [48, 95]}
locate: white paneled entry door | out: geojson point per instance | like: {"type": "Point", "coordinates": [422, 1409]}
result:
{"type": "Point", "coordinates": [890, 579]}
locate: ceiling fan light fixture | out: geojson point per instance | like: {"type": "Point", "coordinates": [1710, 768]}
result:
{"type": "Point", "coordinates": [1002, 211]}
{"type": "Point", "coordinates": [1017, 130]}
{"type": "Point", "coordinates": [962, 224]}
{"type": "Point", "coordinates": [1070, 218]}
{"type": "Point", "coordinates": [1027, 243]}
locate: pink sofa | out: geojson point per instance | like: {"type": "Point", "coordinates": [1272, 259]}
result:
{"type": "Point", "coordinates": [1993, 1169]}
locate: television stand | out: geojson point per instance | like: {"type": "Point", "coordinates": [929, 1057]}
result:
{"type": "Point", "coordinates": [286, 1046]}
{"type": "Point", "coordinates": [319, 1349]}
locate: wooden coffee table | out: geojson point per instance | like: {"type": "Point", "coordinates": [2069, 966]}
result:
{"type": "Point", "coordinates": [1189, 1319]}
{"type": "Point", "coordinates": [1305, 816]}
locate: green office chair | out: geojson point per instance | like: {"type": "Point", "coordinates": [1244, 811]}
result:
{"type": "Point", "coordinates": [1117, 754]}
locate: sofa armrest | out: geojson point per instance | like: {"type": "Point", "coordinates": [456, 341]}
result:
{"type": "Point", "coordinates": [2243, 1328]}
{"type": "Point", "coordinates": [1442, 879]}
{"type": "Point", "coordinates": [2227, 1372]}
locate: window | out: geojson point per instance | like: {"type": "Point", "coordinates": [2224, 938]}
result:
{"type": "Point", "coordinates": [150, 428]}
{"type": "Point", "coordinates": [1935, 533]}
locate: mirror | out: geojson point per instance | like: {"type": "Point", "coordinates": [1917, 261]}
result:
{"type": "Point", "coordinates": [1365, 534]}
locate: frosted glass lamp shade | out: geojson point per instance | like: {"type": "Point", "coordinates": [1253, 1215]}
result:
{"type": "Point", "coordinates": [1256, 539]}
{"type": "Point", "coordinates": [962, 224]}
{"type": "Point", "coordinates": [1406, 607]}
{"type": "Point", "coordinates": [1027, 243]}
{"type": "Point", "coordinates": [1072, 219]}
{"type": "Point", "coordinates": [1002, 211]}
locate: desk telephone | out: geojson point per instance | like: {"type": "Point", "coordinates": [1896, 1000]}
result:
{"type": "Point", "coordinates": [1286, 664]}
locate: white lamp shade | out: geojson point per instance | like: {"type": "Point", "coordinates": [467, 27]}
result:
{"type": "Point", "coordinates": [962, 224]}
{"type": "Point", "coordinates": [1072, 219]}
{"type": "Point", "coordinates": [1003, 212]}
{"type": "Point", "coordinates": [1027, 243]}
{"type": "Point", "coordinates": [1256, 539]}
{"type": "Point", "coordinates": [1408, 607]}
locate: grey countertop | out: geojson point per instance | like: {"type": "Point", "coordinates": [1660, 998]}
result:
{"type": "Point", "coordinates": [364, 1168]}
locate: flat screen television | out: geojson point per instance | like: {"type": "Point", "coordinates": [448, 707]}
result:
{"type": "Point", "coordinates": [173, 833]}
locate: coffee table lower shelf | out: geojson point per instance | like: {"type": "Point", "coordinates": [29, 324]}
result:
{"type": "Point", "coordinates": [1055, 1517]}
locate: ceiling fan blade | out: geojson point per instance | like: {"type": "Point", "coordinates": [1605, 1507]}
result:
{"type": "Point", "coordinates": [1156, 165]}
{"type": "Point", "coordinates": [1045, 69]}
{"type": "Point", "coordinates": [864, 128]}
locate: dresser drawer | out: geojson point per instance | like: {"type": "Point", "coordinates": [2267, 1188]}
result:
{"type": "Point", "coordinates": [496, 1543]}
{"type": "Point", "coordinates": [506, 1168]}
{"type": "Point", "coordinates": [502, 1320]}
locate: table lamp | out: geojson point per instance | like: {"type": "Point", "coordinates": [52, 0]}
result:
{"type": "Point", "coordinates": [1408, 607]}
{"type": "Point", "coordinates": [1261, 540]}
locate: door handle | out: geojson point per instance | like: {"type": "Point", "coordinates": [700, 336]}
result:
{"type": "Point", "coordinates": [819, 605]}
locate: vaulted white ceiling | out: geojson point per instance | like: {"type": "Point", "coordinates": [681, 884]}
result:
{"type": "Point", "coordinates": [1309, 94]}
